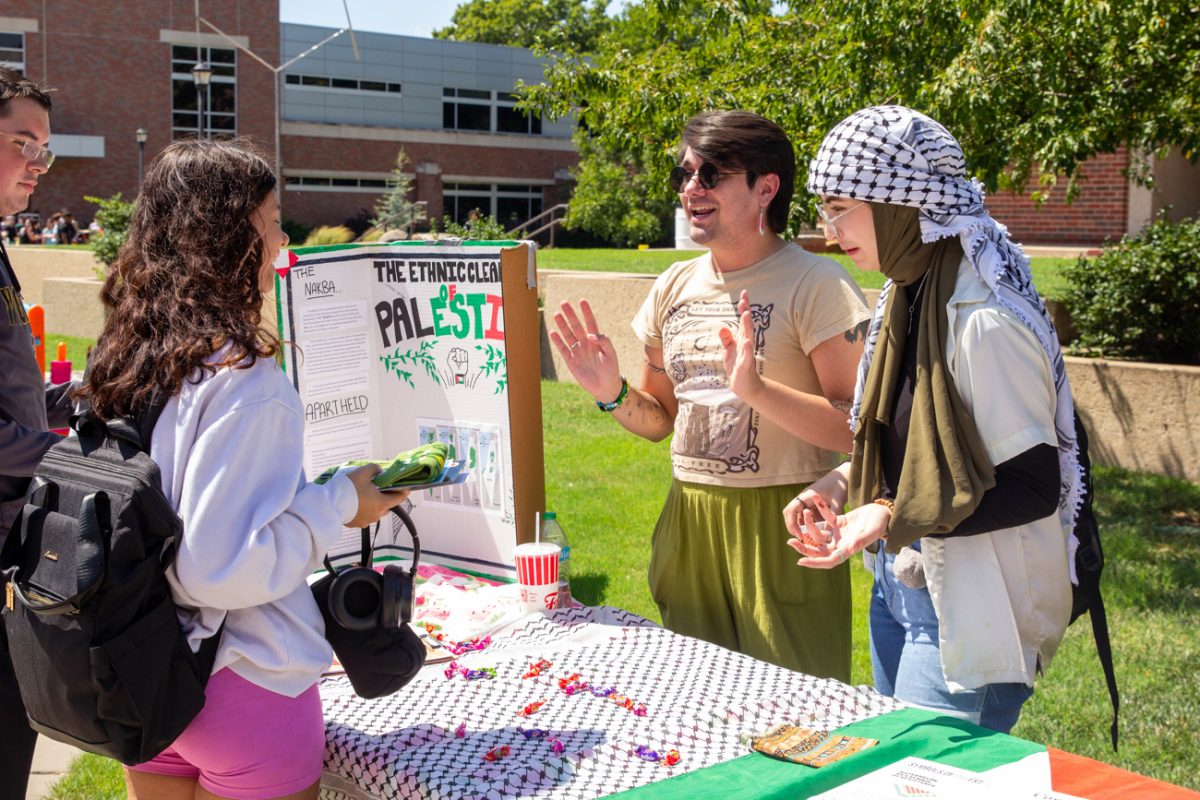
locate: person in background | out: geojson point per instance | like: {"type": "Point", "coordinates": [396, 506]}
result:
{"type": "Point", "coordinates": [750, 355]}
{"type": "Point", "coordinates": [8, 229]}
{"type": "Point", "coordinates": [30, 232]}
{"type": "Point", "coordinates": [29, 407]}
{"type": "Point", "coordinates": [68, 231]}
{"type": "Point", "coordinates": [50, 230]}
{"type": "Point", "coordinates": [184, 301]}
{"type": "Point", "coordinates": [965, 462]}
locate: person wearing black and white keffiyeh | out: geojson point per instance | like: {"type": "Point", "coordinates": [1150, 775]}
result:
{"type": "Point", "coordinates": [965, 459]}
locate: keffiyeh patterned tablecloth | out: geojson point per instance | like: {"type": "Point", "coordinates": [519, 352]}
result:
{"type": "Point", "coordinates": [701, 700]}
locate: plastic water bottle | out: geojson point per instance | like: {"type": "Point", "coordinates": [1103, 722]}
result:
{"type": "Point", "coordinates": [553, 532]}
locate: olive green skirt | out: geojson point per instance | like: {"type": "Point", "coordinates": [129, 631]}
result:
{"type": "Point", "coordinates": [721, 570]}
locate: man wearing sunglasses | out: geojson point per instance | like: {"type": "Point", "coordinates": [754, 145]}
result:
{"type": "Point", "coordinates": [751, 353]}
{"type": "Point", "coordinates": [28, 406]}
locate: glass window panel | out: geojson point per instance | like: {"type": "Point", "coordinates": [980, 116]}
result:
{"type": "Point", "coordinates": [184, 120]}
{"type": "Point", "coordinates": [183, 95]}
{"type": "Point", "coordinates": [344, 83]}
{"type": "Point", "coordinates": [474, 118]}
{"type": "Point", "coordinates": [512, 211]}
{"type": "Point", "coordinates": [509, 120]}
{"type": "Point", "coordinates": [316, 181]}
{"type": "Point", "coordinates": [507, 97]}
{"type": "Point", "coordinates": [220, 71]}
{"type": "Point", "coordinates": [12, 56]}
{"type": "Point", "coordinates": [373, 86]}
{"type": "Point", "coordinates": [181, 52]}
{"type": "Point", "coordinates": [448, 115]}
{"type": "Point", "coordinates": [221, 122]}
{"type": "Point", "coordinates": [292, 78]}
{"type": "Point", "coordinates": [291, 180]}
{"type": "Point", "coordinates": [221, 98]}
{"type": "Point", "coordinates": [315, 80]}
{"type": "Point", "coordinates": [14, 40]}
{"type": "Point", "coordinates": [471, 187]}
{"type": "Point", "coordinates": [344, 181]}
{"type": "Point", "coordinates": [535, 124]}
{"type": "Point", "coordinates": [394, 87]}
{"type": "Point", "coordinates": [447, 92]}
{"type": "Point", "coordinates": [373, 183]}
{"type": "Point", "coordinates": [222, 56]}
{"type": "Point", "coordinates": [477, 94]}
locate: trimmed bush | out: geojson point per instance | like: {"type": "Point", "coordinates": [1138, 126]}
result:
{"type": "Point", "coordinates": [1140, 299]}
{"type": "Point", "coordinates": [113, 217]}
{"type": "Point", "coordinates": [329, 234]}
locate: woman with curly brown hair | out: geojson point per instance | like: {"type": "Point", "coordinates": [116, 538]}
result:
{"type": "Point", "coordinates": [184, 305]}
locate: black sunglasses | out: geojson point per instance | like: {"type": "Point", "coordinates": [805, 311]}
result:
{"type": "Point", "coordinates": [708, 177]}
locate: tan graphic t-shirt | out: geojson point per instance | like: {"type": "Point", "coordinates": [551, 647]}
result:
{"type": "Point", "coordinates": [797, 301]}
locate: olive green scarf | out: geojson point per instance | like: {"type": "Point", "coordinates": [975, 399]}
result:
{"type": "Point", "coordinates": [946, 469]}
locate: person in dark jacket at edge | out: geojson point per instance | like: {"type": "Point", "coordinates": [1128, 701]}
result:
{"type": "Point", "coordinates": [29, 406]}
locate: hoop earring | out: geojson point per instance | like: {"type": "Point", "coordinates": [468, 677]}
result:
{"type": "Point", "coordinates": [761, 231]}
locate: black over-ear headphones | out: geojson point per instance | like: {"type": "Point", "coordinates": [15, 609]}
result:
{"type": "Point", "coordinates": [361, 598]}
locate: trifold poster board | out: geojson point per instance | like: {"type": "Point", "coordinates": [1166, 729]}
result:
{"type": "Point", "coordinates": [394, 345]}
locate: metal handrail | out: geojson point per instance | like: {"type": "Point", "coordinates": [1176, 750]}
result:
{"type": "Point", "coordinates": [520, 229]}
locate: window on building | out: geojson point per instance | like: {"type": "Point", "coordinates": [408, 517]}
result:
{"type": "Point", "coordinates": [466, 109]}
{"type": "Point", "coordinates": [478, 110]}
{"type": "Point", "coordinates": [12, 51]}
{"type": "Point", "coordinates": [220, 104]}
{"type": "Point", "coordinates": [321, 183]}
{"type": "Point", "coordinates": [344, 84]}
{"type": "Point", "coordinates": [510, 120]}
{"type": "Point", "coordinates": [509, 204]}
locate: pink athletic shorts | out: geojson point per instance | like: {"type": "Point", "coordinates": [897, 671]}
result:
{"type": "Point", "coordinates": [247, 742]}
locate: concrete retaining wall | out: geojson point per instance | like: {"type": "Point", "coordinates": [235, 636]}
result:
{"type": "Point", "coordinates": [35, 263]}
{"type": "Point", "coordinates": [1143, 417]}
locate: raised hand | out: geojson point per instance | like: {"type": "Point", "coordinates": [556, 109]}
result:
{"type": "Point", "coordinates": [741, 367]}
{"type": "Point", "coordinates": [842, 537]}
{"type": "Point", "coordinates": [588, 353]}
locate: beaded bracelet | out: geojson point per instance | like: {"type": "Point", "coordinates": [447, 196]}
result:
{"type": "Point", "coordinates": [608, 408]}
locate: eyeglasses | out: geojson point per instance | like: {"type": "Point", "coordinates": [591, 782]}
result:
{"type": "Point", "coordinates": [831, 221]}
{"type": "Point", "coordinates": [708, 176]}
{"type": "Point", "coordinates": [31, 150]}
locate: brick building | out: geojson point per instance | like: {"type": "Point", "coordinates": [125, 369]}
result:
{"type": "Point", "coordinates": [337, 117]}
{"type": "Point", "coordinates": [342, 115]}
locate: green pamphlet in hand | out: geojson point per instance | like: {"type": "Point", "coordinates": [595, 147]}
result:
{"type": "Point", "coordinates": [415, 467]}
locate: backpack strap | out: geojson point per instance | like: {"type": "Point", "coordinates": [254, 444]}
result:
{"type": "Point", "coordinates": [1089, 561]}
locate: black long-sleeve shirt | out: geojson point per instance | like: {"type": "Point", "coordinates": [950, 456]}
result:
{"type": "Point", "coordinates": [1027, 485]}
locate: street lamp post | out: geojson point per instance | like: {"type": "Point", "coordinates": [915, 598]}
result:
{"type": "Point", "coordinates": [201, 76]}
{"type": "Point", "coordinates": [141, 141]}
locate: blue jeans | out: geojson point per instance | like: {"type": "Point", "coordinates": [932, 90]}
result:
{"type": "Point", "coordinates": [906, 660]}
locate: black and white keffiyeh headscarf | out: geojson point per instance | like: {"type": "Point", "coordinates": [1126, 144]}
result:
{"type": "Point", "coordinates": [892, 154]}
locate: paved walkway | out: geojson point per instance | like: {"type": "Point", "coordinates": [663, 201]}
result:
{"type": "Point", "coordinates": [51, 760]}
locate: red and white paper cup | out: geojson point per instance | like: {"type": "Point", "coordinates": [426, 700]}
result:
{"type": "Point", "coordinates": [537, 574]}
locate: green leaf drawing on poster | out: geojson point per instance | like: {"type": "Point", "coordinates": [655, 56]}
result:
{"type": "Point", "coordinates": [422, 356]}
{"type": "Point", "coordinates": [494, 363]}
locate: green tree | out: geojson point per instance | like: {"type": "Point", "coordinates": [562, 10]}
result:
{"type": "Point", "coordinates": [394, 210]}
{"type": "Point", "coordinates": [113, 217]}
{"type": "Point", "coordinates": [1031, 88]}
{"type": "Point", "coordinates": [546, 24]}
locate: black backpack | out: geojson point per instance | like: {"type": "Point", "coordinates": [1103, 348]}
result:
{"type": "Point", "coordinates": [1089, 563]}
{"type": "Point", "coordinates": [97, 648]}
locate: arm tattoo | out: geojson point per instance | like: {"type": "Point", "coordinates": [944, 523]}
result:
{"type": "Point", "coordinates": [657, 370]}
{"type": "Point", "coordinates": [858, 332]}
{"type": "Point", "coordinates": [843, 406]}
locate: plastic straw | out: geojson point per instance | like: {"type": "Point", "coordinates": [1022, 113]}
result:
{"type": "Point", "coordinates": [537, 527]}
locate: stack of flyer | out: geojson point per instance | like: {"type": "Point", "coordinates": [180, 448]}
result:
{"type": "Point", "coordinates": [929, 780]}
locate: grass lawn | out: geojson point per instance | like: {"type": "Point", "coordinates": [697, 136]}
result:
{"type": "Point", "coordinates": [1047, 272]}
{"type": "Point", "coordinates": [607, 487]}
{"type": "Point", "coordinates": [77, 349]}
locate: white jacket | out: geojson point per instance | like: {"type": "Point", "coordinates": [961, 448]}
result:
{"type": "Point", "coordinates": [230, 450]}
{"type": "Point", "coordinates": [1003, 599]}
